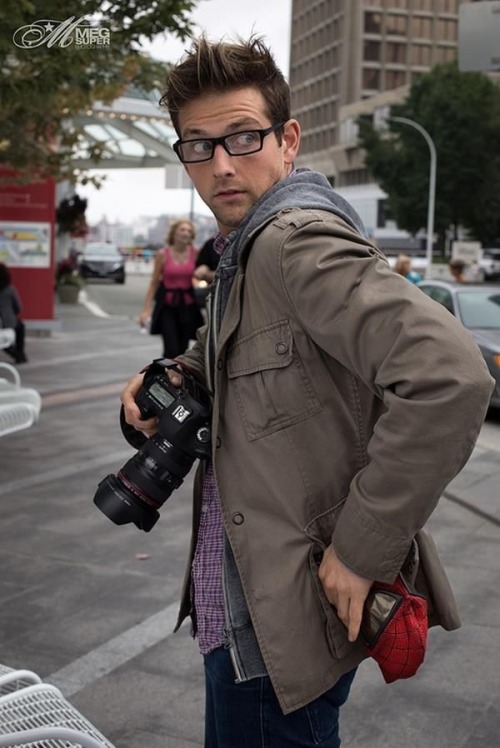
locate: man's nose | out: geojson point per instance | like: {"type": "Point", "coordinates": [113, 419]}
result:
{"type": "Point", "coordinates": [222, 162]}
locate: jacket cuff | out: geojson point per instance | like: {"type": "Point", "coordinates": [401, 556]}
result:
{"type": "Point", "coordinates": [383, 555]}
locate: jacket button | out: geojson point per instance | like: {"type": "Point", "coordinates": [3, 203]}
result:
{"type": "Point", "coordinates": [218, 443]}
{"type": "Point", "coordinates": [281, 348]}
{"type": "Point", "coordinates": [238, 518]}
{"type": "Point", "coordinates": [220, 364]}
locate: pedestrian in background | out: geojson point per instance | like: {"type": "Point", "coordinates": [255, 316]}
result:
{"type": "Point", "coordinates": [206, 265]}
{"type": "Point", "coordinates": [170, 302]}
{"type": "Point", "coordinates": [335, 387]}
{"type": "Point", "coordinates": [457, 270]}
{"type": "Point", "coordinates": [403, 267]}
{"type": "Point", "coordinates": [10, 311]}
{"type": "Point", "coordinates": [207, 261]}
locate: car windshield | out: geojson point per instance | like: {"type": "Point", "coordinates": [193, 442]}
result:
{"type": "Point", "coordinates": [100, 249]}
{"type": "Point", "coordinates": [480, 309]}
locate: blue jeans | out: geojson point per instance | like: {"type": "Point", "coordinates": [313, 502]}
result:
{"type": "Point", "coordinates": [248, 715]}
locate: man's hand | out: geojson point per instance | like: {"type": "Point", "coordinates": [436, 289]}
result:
{"type": "Point", "coordinates": [131, 409]}
{"type": "Point", "coordinates": [345, 590]}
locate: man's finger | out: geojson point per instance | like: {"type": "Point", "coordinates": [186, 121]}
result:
{"type": "Point", "coordinates": [174, 377]}
{"type": "Point", "coordinates": [355, 615]}
{"type": "Point", "coordinates": [343, 611]}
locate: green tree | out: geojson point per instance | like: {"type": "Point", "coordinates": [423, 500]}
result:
{"type": "Point", "coordinates": [461, 113]}
{"type": "Point", "coordinates": [50, 80]}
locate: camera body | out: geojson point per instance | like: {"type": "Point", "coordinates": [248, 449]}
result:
{"type": "Point", "coordinates": [146, 481]}
{"type": "Point", "coordinates": [183, 412]}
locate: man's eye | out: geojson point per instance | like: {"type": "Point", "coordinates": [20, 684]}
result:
{"type": "Point", "coordinates": [201, 146]}
{"type": "Point", "coordinates": [246, 138]}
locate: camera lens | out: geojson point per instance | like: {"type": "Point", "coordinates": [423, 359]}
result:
{"type": "Point", "coordinates": [143, 484]}
{"type": "Point", "coordinates": [122, 505]}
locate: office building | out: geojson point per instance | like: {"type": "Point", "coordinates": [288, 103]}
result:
{"type": "Point", "coordinates": [352, 57]}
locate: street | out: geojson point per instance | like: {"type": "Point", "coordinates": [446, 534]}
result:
{"type": "Point", "coordinates": [121, 301]}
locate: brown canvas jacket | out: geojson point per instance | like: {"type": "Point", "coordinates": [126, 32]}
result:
{"type": "Point", "coordinates": [345, 401]}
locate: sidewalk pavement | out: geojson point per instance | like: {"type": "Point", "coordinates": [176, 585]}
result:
{"type": "Point", "coordinates": [91, 606]}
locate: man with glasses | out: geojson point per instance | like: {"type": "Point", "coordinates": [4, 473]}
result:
{"type": "Point", "coordinates": [334, 382]}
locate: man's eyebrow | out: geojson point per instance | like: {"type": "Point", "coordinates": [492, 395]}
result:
{"type": "Point", "coordinates": [241, 124]}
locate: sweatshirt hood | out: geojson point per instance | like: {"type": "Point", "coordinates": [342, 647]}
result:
{"type": "Point", "coordinates": [305, 189]}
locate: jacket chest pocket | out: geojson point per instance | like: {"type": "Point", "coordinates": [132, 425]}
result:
{"type": "Point", "coordinates": [269, 381]}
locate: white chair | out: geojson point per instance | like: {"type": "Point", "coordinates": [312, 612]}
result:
{"type": "Point", "coordinates": [19, 406]}
{"type": "Point", "coordinates": [12, 680]}
{"type": "Point", "coordinates": [7, 337]}
{"type": "Point", "coordinates": [40, 717]}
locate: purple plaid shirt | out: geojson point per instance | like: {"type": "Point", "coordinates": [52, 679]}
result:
{"type": "Point", "coordinates": [206, 592]}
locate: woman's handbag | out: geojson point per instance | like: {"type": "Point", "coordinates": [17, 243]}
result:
{"type": "Point", "coordinates": [159, 301]}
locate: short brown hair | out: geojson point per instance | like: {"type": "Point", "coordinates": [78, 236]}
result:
{"type": "Point", "coordinates": [222, 66]}
{"type": "Point", "coordinates": [175, 225]}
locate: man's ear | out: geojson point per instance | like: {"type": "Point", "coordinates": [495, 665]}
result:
{"type": "Point", "coordinates": [291, 140]}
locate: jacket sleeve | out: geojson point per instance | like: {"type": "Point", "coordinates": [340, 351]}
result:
{"type": "Point", "coordinates": [194, 358]}
{"type": "Point", "coordinates": [413, 355]}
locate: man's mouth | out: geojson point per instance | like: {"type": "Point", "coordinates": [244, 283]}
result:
{"type": "Point", "coordinates": [228, 193]}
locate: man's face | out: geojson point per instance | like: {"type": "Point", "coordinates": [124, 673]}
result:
{"type": "Point", "coordinates": [231, 185]}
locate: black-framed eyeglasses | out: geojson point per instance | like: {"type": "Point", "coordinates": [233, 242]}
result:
{"type": "Point", "coordinates": [241, 143]}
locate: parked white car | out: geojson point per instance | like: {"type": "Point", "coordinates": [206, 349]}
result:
{"type": "Point", "coordinates": [490, 263]}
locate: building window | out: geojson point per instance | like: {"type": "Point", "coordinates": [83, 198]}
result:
{"type": "Point", "coordinates": [421, 28]}
{"type": "Point", "coordinates": [446, 54]}
{"type": "Point", "coordinates": [447, 30]}
{"type": "Point", "coordinates": [354, 177]}
{"type": "Point", "coordinates": [371, 79]}
{"type": "Point", "coordinates": [384, 213]}
{"type": "Point", "coordinates": [421, 55]}
{"type": "Point", "coordinates": [422, 5]}
{"type": "Point", "coordinates": [396, 25]}
{"type": "Point", "coordinates": [402, 4]}
{"type": "Point", "coordinates": [395, 52]}
{"type": "Point", "coordinates": [372, 51]}
{"type": "Point", "coordinates": [394, 78]}
{"type": "Point", "coordinates": [373, 23]}
{"type": "Point", "coordinates": [450, 6]}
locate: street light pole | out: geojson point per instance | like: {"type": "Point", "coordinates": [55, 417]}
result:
{"type": "Point", "coordinates": [432, 183]}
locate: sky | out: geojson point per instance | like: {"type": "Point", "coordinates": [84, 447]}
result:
{"type": "Point", "coordinates": [128, 194]}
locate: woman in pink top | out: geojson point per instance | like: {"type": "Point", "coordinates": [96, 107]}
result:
{"type": "Point", "coordinates": [178, 317]}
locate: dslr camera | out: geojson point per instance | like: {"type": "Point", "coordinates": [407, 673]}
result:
{"type": "Point", "coordinates": [146, 481]}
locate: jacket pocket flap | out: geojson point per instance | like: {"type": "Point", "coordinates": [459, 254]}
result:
{"type": "Point", "coordinates": [269, 347]}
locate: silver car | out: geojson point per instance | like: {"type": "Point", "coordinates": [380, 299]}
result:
{"type": "Point", "coordinates": [478, 309]}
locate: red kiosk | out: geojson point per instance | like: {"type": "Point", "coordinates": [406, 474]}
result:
{"type": "Point", "coordinates": [27, 238]}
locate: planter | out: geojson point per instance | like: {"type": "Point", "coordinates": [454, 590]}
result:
{"type": "Point", "coordinates": [68, 294]}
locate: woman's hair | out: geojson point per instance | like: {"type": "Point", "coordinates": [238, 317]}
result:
{"type": "Point", "coordinates": [402, 264]}
{"type": "Point", "coordinates": [221, 67]}
{"type": "Point", "coordinates": [175, 225]}
{"type": "Point", "coordinates": [5, 277]}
